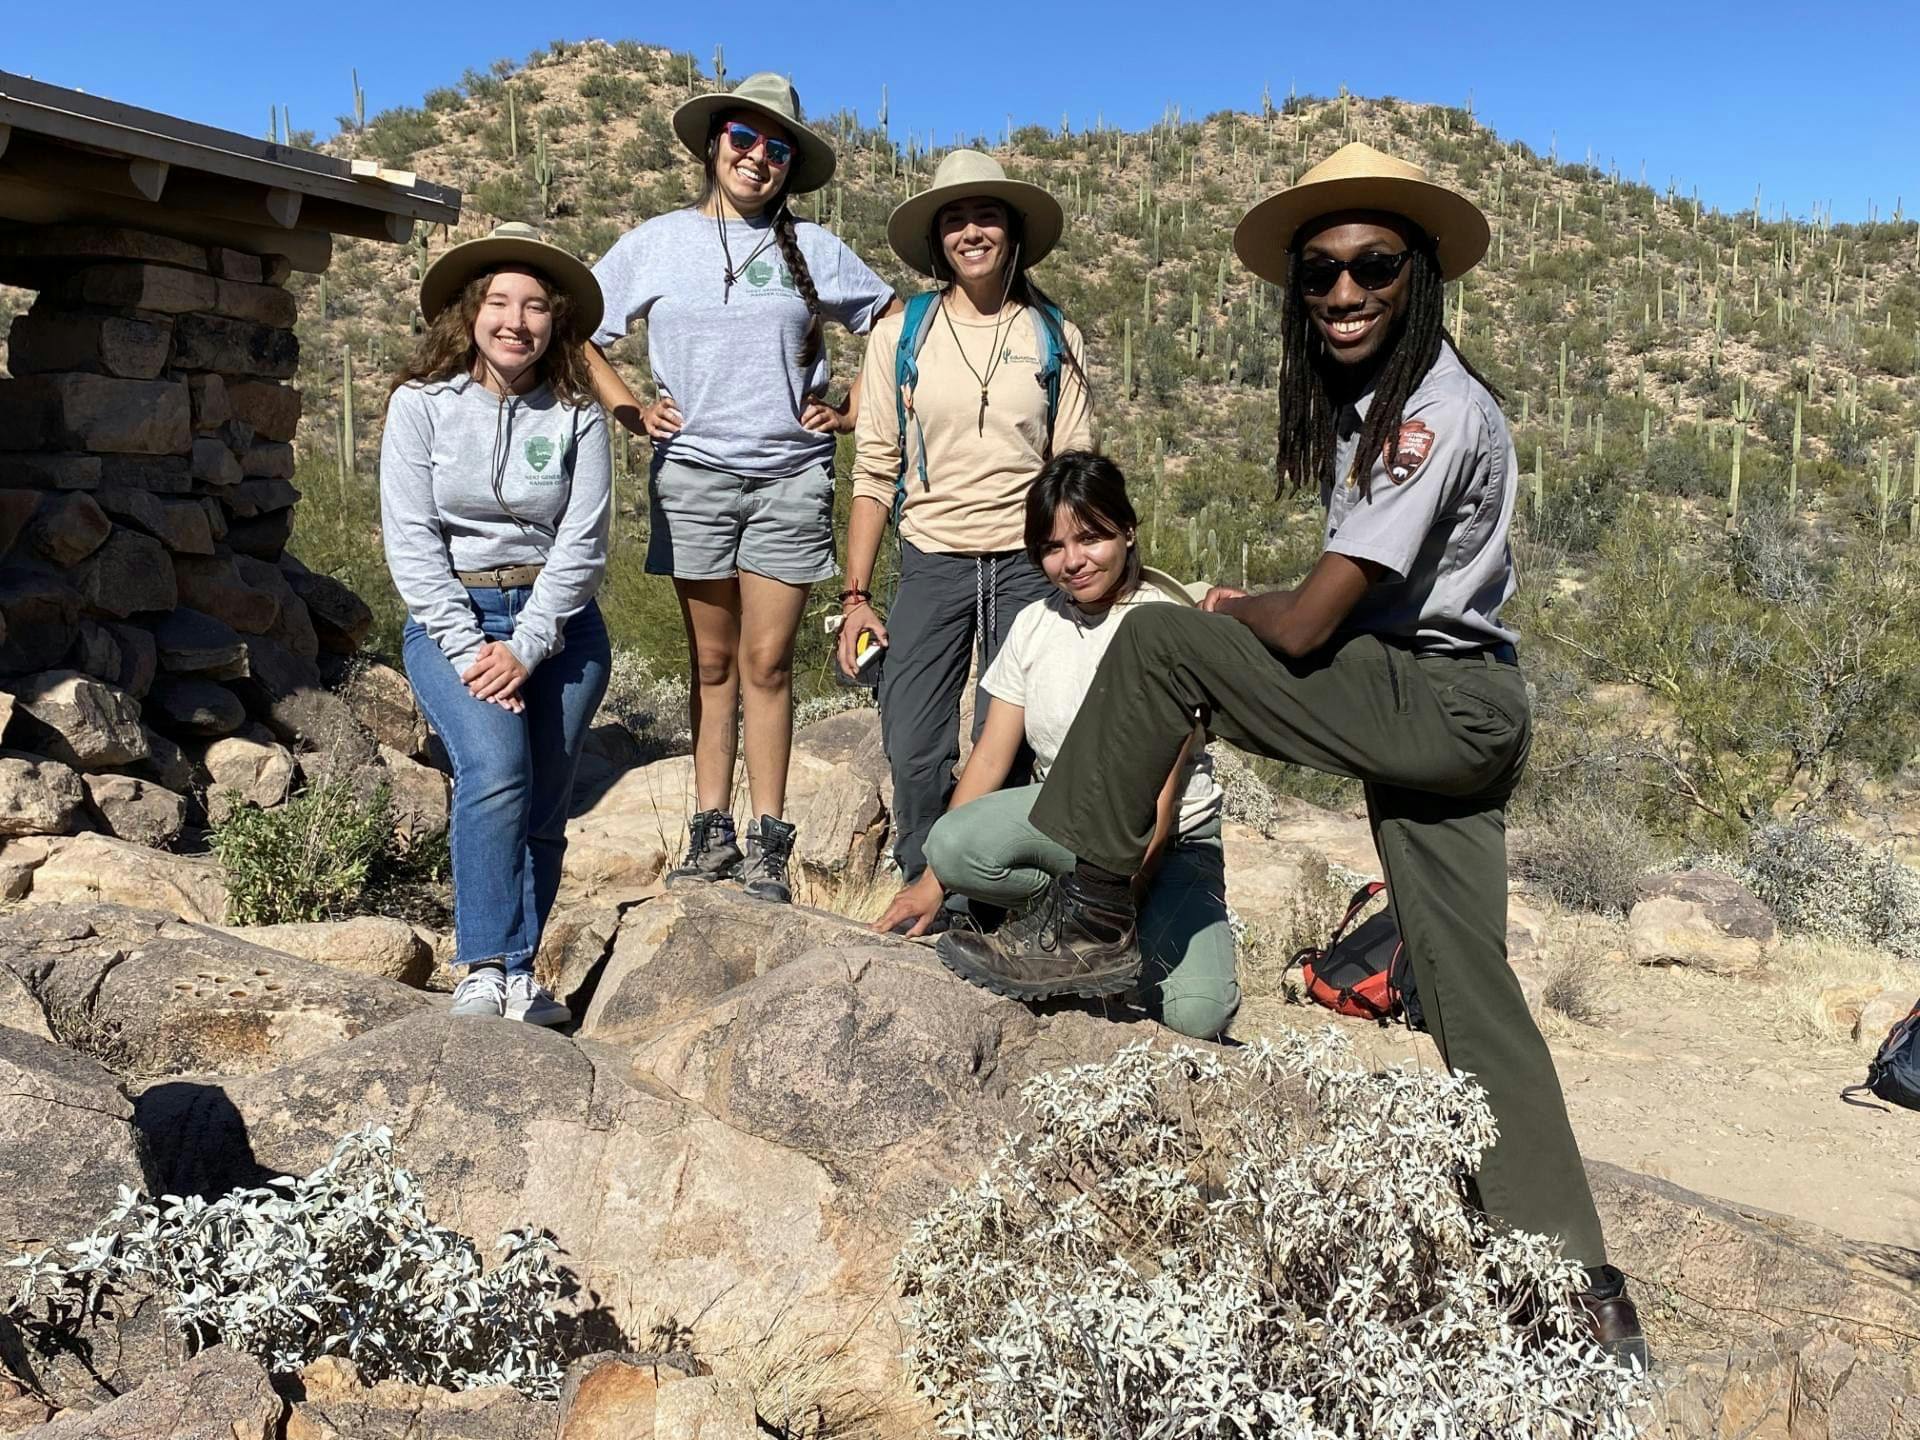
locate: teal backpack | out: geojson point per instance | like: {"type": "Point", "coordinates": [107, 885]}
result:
{"type": "Point", "coordinates": [918, 321]}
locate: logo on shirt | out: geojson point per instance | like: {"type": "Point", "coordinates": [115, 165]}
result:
{"type": "Point", "coordinates": [1407, 451]}
{"type": "Point", "coordinates": [539, 451]}
{"type": "Point", "coordinates": [762, 273]}
{"type": "Point", "coordinates": [1010, 356]}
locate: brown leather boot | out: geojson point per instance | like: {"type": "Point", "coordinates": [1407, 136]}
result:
{"type": "Point", "coordinates": [1612, 1322]}
{"type": "Point", "coordinates": [1066, 944]}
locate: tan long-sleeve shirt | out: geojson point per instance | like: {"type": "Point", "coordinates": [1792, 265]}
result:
{"type": "Point", "coordinates": [979, 464]}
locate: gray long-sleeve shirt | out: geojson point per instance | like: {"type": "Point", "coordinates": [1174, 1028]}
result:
{"type": "Point", "coordinates": [470, 480]}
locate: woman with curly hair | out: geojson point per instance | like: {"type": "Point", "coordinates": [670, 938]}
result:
{"type": "Point", "coordinates": [494, 500]}
{"type": "Point", "coordinates": [735, 292]}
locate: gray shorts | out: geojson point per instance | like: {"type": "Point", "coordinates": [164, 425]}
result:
{"type": "Point", "coordinates": [709, 525]}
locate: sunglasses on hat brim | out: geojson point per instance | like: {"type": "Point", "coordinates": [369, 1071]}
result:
{"type": "Point", "coordinates": [743, 137]}
{"type": "Point", "coordinates": [1371, 271]}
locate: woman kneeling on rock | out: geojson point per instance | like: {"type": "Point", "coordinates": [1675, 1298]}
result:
{"type": "Point", "coordinates": [494, 503]}
{"type": "Point", "coordinates": [1080, 530]}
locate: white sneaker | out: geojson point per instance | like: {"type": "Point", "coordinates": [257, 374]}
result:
{"type": "Point", "coordinates": [527, 999]}
{"type": "Point", "coordinates": [482, 994]}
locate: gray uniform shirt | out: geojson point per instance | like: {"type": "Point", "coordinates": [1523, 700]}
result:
{"type": "Point", "coordinates": [445, 446]}
{"type": "Point", "coordinates": [1436, 515]}
{"type": "Point", "coordinates": [730, 359]}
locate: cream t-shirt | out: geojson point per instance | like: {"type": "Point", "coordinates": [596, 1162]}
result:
{"type": "Point", "coordinates": [980, 464]}
{"type": "Point", "coordinates": [1047, 666]}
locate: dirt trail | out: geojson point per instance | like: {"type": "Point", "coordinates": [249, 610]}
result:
{"type": "Point", "coordinates": [1690, 1079]}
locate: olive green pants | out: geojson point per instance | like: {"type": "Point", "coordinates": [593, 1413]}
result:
{"type": "Point", "coordinates": [988, 850]}
{"type": "Point", "coordinates": [1439, 742]}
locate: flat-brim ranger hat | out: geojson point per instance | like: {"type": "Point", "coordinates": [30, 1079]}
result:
{"type": "Point", "coordinates": [1359, 177]}
{"type": "Point", "coordinates": [772, 97]}
{"type": "Point", "coordinates": [962, 175]}
{"type": "Point", "coordinates": [514, 243]}
{"type": "Point", "coordinates": [1179, 591]}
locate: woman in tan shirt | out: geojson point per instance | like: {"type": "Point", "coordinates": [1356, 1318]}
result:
{"type": "Point", "coordinates": [986, 414]}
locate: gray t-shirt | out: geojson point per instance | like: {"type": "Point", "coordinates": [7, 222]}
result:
{"type": "Point", "coordinates": [1436, 515]}
{"type": "Point", "coordinates": [731, 359]}
{"type": "Point", "coordinates": [444, 447]}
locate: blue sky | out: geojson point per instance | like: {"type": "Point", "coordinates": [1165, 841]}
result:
{"type": "Point", "coordinates": [1815, 104]}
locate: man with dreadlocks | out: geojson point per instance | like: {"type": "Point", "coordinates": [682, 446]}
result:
{"type": "Point", "coordinates": [1388, 664]}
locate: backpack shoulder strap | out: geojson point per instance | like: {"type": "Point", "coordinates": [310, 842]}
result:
{"type": "Point", "coordinates": [1049, 332]}
{"type": "Point", "coordinates": [914, 326]}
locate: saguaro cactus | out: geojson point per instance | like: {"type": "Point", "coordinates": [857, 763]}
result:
{"type": "Point", "coordinates": [513, 126]}
{"type": "Point", "coordinates": [359, 105]}
{"type": "Point", "coordinates": [1793, 470]}
{"type": "Point", "coordinates": [346, 419]}
{"type": "Point", "coordinates": [719, 68]}
{"type": "Point", "coordinates": [1742, 413]}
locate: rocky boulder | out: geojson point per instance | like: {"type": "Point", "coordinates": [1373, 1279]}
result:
{"type": "Point", "coordinates": [679, 951]}
{"type": "Point", "coordinates": [381, 698]}
{"type": "Point", "coordinates": [1703, 919]}
{"type": "Point", "coordinates": [576, 941]}
{"type": "Point", "coordinates": [148, 995]}
{"type": "Point", "coordinates": [89, 869]}
{"type": "Point", "coordinates": [39, 796]}
{"type": "Point", "coordinates": [78, 720]}
{"type": "Point", "coordinates": [67, 1143]}
{"type": "Point", "coordinates": [220, 1394]}
{"type": "Point", "coordinates": [249, 767]}
{"type": "Point", "coordinates": [362, 945]}
{"type": "Point", "coordinates": [331, 1403]}
{"type": "Point", "coordinates": [138, 810]}
{"type": "Point", "coordinates": [614, 1396]}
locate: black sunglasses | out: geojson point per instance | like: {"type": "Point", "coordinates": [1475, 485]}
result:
{"type": "Point", "coordinates": [1372, 271]}
{"type": "Point", "coordinates": [744, 137]}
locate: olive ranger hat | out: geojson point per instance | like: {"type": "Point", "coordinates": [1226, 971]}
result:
{"type": "Point", "coordinates": [772, 97]}
{"type": "Point", "coordinates": [1359, 177]}
{"type": "Point", "coordinates": [514, 243]}
{"type": "Point", "coordinates": [959, 176]}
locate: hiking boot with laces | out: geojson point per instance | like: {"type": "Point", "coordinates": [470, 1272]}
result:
{"type": "Point", "coordinates": [763, 874]}
{"type": "Point", "coordinates": [1612, 1322]}
{"type": "Point", "coordinates": [483, 993]}
{"type": "Point", "coordinates": [1065, 944]}
{"type": "Point", "coordinates": [712, 850]}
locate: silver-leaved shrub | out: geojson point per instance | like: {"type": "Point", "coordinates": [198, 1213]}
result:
{"type": "Point", "coordinates": [342, 1262]}
{"type": "Point", "coordinates": [1270, 1242]}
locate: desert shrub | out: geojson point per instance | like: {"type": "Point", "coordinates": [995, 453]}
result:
{"type": "Point", "coordinates": [395, 135]}
{"type": "Point", "coordinates": [307, 859]}
{"type": "Point", "coordinates": [1822, 881]}
{"type": "Point", "coordinates": [343, 1262]}
{"type": "Point", "coordinates": [651, 705]}
{"type": "Point", "coordinates": [1587, 854]}
{"type": "Point", "coordinates": [1272, 1242]}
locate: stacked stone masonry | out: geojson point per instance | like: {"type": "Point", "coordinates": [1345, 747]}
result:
{"type": "Point", "coordinates": [160, 651]}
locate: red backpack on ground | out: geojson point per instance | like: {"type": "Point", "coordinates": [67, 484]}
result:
{"type": "Point", "coordinates": [1363, 969]}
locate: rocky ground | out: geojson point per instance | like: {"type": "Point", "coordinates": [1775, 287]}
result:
{"type": "Point", "coordinates": [755, 1104]}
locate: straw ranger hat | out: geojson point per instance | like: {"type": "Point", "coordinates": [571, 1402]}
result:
{"type": "Point", "coordinates": [514, 243]}
{"type": "Point", "coordinates": [773, 98]}
{"type": "Point", "coordinates": [1175, 590]}
{"type": "Point", "coordinates": [1359, 177]}
{"type": "Point", "coordinates": [961, 175]}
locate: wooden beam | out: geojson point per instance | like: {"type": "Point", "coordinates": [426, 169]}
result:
{"type": "Point", "coordinates": [6, 134]}
{"type": "Point", "coordinates": [284, 207]}
{"type": "Point", "coordinates": [33, 204]}
{"type": "Point", "coordinates": [149, 177]}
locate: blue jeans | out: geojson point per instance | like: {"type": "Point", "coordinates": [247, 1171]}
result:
{"type": "Point", "coordinates": [512, 776]}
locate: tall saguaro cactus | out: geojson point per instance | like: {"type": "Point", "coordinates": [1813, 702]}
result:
{"type": "Point", "coordinates": [359, 105]}
{"type": "Point", "coordinates": [346, 419]}
{"type": "Point", "coordinates": [1742, 413]}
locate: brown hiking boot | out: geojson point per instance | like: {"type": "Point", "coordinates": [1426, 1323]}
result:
{"type": "Point", "coordinates": [1612, 1322]}
{"type": "Point", "coordinates": [1063, 945]}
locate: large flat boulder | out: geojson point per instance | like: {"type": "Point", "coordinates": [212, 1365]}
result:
{"type": "Point", "coordinates": [91, 869]}
{"type": "Point", "coordinates": [146, 994]}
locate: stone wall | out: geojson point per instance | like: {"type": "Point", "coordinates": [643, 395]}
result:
{"type": "Point", "coordinates": [161, 653]}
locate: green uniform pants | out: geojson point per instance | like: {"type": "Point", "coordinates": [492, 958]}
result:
{"type": "Point", "coordinates": [988, 850]}
{"type": "Point", "coordinates": [1439, 742]}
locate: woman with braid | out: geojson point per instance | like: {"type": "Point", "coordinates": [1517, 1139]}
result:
{"type": "Point", "coordinates": [1389, 664]}
{"type": "Point", "coordinates": [735, 292]}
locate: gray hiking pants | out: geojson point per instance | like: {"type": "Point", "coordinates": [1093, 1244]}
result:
{"type": "Point", "coordinates": [945, 607]}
